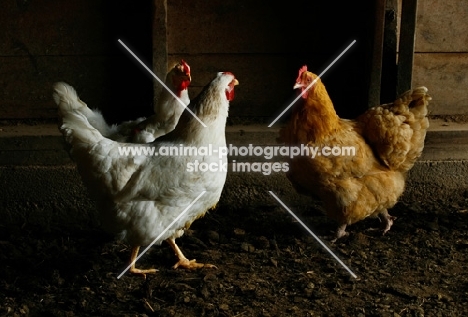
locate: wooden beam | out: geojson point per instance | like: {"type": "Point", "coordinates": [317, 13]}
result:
{"type": "Point", "coordinates": [373, 96]}
{"type": "Point", "coordinates": [389, 56]}
{"type": "Point", "coordinates": [406, 47]}
{"type": "Point", "coordinates": [159, 44]}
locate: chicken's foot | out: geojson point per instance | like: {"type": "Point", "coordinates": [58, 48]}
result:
{"type": "Point", "coordinates": [340, 233]}
{"type": "Point", "coordinates": [133, 269]}
{"type": "Point", "coordinates": [387, 221]}
{"type": "Point", "coordinates": [183, 261]}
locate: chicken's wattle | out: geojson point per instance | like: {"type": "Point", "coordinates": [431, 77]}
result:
{"type": "Point", "coordinates": [230, 93]}
{"type": "Point", "coordinates": [230, 88]}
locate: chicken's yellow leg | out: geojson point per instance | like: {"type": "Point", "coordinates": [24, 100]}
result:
{"type": "Point", "coordinates": [133, 269]}
{"type": "Point", "coordinates": [183, 261]}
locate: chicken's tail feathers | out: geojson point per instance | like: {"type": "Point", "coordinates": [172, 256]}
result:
{"type": "Point", "coordinates": [67, 99]}
{"type": "Point", "coordinates": [74, 123]}
{"type": "Point", "coordinates": [417, 100]}
{"type": "Point", "coordinates": [397, 131]}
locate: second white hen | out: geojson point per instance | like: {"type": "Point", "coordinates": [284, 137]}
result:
{"type": "Point", "coordinates": [138, 196]}
{"type": "Point", "coordinates": [167, 112]}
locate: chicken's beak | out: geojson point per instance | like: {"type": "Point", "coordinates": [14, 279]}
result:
{"type": "Point", "coordinates": [234, 82]}
{"type": "Point", "coordinates": [298, 85]}
{"type": "Point", "coordinates": [302, 87]}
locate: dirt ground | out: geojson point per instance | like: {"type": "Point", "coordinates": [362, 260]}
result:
{"type": "Point", "coordinates": [268, 265]}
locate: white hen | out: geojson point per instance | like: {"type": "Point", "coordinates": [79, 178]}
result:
{"type": "Point", "coordinates": [167, 112]}
{"type": "Point", "coordinates": [139, 196]}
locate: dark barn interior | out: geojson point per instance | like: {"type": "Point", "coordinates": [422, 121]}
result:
{"type": "Point", "coordinates": [264, 43]}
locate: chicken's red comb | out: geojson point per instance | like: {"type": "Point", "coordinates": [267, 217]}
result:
{"type": "Point", "coordinates": [185, 66]}
{"type": "Point", "coordinates": [301, 70]}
